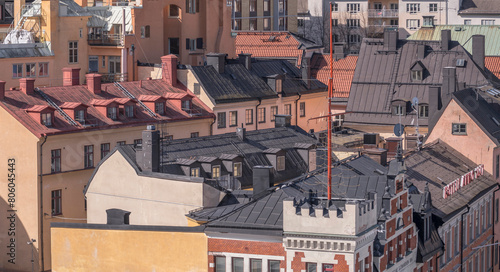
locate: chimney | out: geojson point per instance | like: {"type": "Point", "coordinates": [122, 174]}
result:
{"type": "Point", "coordinates": [306, 72]}
{"type": "Point", "coordinates": [449, 80]}
{"type": "Point", "coordinates": [71, 76]}
{"type": "Point", "coordinates": [217, 60]}
{"type": "Point", "coordinates": [262, 179]}
{"type": "Point", "coordinates": [445, 39]}
{"type": "Point", "coordinates": [246, 60]}
{"type": "Point", "coordinates": [371, 140]}
{"type": "Point", "coordinates": [240, 132]}
{"type": "Point", "coordinates": [478, 50]}
{"type": "Point", "coordinates": [377, 154]}
{"type": "Point", "coordinates": [117, 217]}
{"type": "Point", "coordinates": [169, 69]}
{"type": "Point", "coordinates": [94, 83]}
{"type": "Point", "coordinates": [27, 85]}
{"type": "Point", "coordinates": [390, 40]}
{"type": "Point", "coordinates": [149, 157]}
{"type": "Point", "coordinates": [338, 51]}
{"type": "Point", "coordinates": [435, 103]}
{"type": "Point", "coordinates": [2, 90]}
{"type": "Point", "coordinates": [420, 51]}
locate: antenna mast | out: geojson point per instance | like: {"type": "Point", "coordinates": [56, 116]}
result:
{"type": "Point", "coordinates": [330, 94]}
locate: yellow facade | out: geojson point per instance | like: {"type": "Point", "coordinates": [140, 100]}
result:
{"type": "Point", "coordinates": [87, 249]}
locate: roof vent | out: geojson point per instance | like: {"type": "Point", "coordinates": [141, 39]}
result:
{"type": "Point", "coordinates": [495, 120]}
{"type": "Point", "coordinates": [272, 38]}
{"type": "Point", "coordinates": [458, 28]}
{"type": "Point", "coordinates": [460, 62]}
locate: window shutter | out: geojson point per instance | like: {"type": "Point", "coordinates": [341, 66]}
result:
{"type": "Point", "coordinates": [199, 43]}
{"type": "Point", "coordinates": [197, 5]}
{"type": "Point", "coordinates": [187, 44]}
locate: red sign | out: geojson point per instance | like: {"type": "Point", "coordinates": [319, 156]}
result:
{"type": "Point", "coordinates": [460, 182]}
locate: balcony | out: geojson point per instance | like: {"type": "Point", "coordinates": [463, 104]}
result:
{"type": "Point", "coordinates": [383, 13]}
{"type": "Point", "coordinates": [105, 39]}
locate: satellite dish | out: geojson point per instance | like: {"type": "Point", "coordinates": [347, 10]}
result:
{"type": "Point", "coordinates": [399, 129]}
{"type": "Point", "coordinates": [414, 101]}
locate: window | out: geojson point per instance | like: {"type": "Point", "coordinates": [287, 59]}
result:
{"type": "Point", "coordinates": [353, 23]}
{"type": "Point", "coordinates": [191, 44]}
{"type": "Point", "coordinates": [288, 109]}
{"type": "Point", "coordinates": [328, 267]}
{"type": "Point", "coordinates": [459, 129]}
{"type": "Point", "coordinates": [497, 206]}
{"type": "Point", "coordinates": [249, 116]}
{"type": "Point", "coordinates": [30, 69]}
{"type": "Point", "coordinates": [377, 6]}
{"type": "Point", "coordinates": [253, 24]}
{"type": "Point", "coordinates": [300, 22]}
{"type": "Point", "coordinates": [274, 111]}
{"type": "Point", "coordinates": [483, 219]}
{"type": "Point", "coordinates": [253, 5]}
{"type": "Point", "coordinates": [220, 264]}
{"type": "Point", "coordinates": [237, 24]}
{"type": "Point", "coordinates": [467, 22]}
{"type": "Point", "coordinates": [103, 61]}
{"type": "Point", "coordinates": [104, 150]}
{"type": "Point", "coordinates": [160, 108]}
{"type": "Point", "coordinates": [17, 70]}
{"type": "Point", "coordinates": [145, 31]}
{"type": "Point", "coordinates": [111, 112]}
{"type": "Point", "coordinates": [282, 6]}
{"type": "Point", "coordinates": [237, 264]}
{"type": "Point", "coordinates": [195, 172]}
{"type": "Point", "coordinates": [412, 23]}
{"type": "Point", "coordinates": [43, 69]}
{"type": "Point", "coordinates": [255, 265]}
{"type": "Point", "coordinates": [262, 115]}
{"type": "Point", "coordinates": [394, 22]}
{"type": "Point", "coordinates": [237, 169]}
{"type": "Point", "coordinates": [192, 6]}
{"type": "Point", "coordinates": [433, 7]}
{"type": "Point", "coordinates": [267, 25]}
{"type": "Point", "coordinates": [88, 159]}
{"type": "Point", "coordinates": [311, 267]}
{"type": "Point", "coordinates": [280, 163]}
{"type": "Point", "coordinates": [129, 111]}
{"type": "Point", "coordinates": [394, 6]}
{"type": "Point", "coordinates": [274, 266]}
{"type": "Point", "coordinates": [93, 64]}
{"type": "Point", "coordinates": [56, 203]}
{"type": "Point", "coordinates": [80, 116]}
{"type": "Point", "coordinates": [399, 110]}
{"type": "Point", "coordinates": [416, 75]}
{"type": "Point", "coordinates": [476, 223]}
{"type": "Point", "coordinates": [487, 22]}
{"type": "Point", "coordinates": [302, 109]}
{"type": "Point", "coordinates": [173, 46]}
{"type": "Point", "coordinates": [46, 119]}
{"type": "Point", "coordinates": [423, 111]}
{"type": "Point", "coordinates": [195, 134]}
{"type": "Point", "coordinates": [267, 6]}
{"type": "Point", "coordinates": [335, 7]}
{"type": "Point", "coordinates": [335, 22]}
{"type": "Point", "coordinates": [119, 143]}
{"type": "Point", "coordinates": [428, 21]}
{"type": "Point", "coordinates": [73, 52]}
{"type": "Point", "coordinates": [353, 39]}
{"type": "Point", "coordinates": [456, 241]}
{"type": "Point", "coordinates": [216, 171]}
{"type": "Point", "coordinates": [221, 120]}
{"type": "Point", "coordinates": [353, 8]}
{"type": "Point", "coordinates": [137, 142]}
{"type": "Point", "coordinates": [233, 118]}
{"type": "Point", "coordinates": [488, 214]}
{"type": "Point", "coordinates": [186, 105]}
{"type": "Point", "coordinates": [55, 161]}
{"type": "Point", "coordinates": [237, 5]}
{"type": "Point", "coordinates": [114, 65]}
{"type": "Point", "coordinates": [412, 8]}
{"type": "Point", "coordinates": [174, 11]}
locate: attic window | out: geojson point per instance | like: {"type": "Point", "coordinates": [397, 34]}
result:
{"type": "Point", "coordinates": [186, 105]}
{"type": "Point", "coordinates": [398, 110]}
{"type": "Point", "coordinates": [416, 75]}
{"type": "Point", "coordinates": [111, 113]}
{"type": "Point", "coordinates": [160, 108]}
{"type": "Point", "coordinates": [46, 119]}
{"type": "Point", "coordinates": [80, 116]}
{"type": "Point", "coordinates": [237, 169]}
{"type": "Point", "coordinates": [460, 62]}
{"type": "Point", "coordinates": [280, 163]}
{"type": "Point", "coordinates": [129, 111]}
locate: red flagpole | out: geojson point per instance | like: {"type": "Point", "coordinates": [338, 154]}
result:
{"type": "Point", "coordinates": [330, 95]}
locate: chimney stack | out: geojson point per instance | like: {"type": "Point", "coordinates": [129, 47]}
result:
{"type": "Point", "coordinates": [169, 69]}
{"type": "Point", "coordinates": [117, 217]}
{"type": "Point", "coordinates": [478, 50]}
{"type": "Point", "coordinates": [262, 179]}
{"type": "Point", "coordinates": [338, 51]}
{"type": "Point", "coordinates": [149, 157]}
{"type": "Point", "coordinates": [420, 51]}
{"type": "Point", "coordinates": [71, 76]}
{"type": "Point", "coordinates": [246, 60]}
{"type": "Point", "coordinates": [217, 60]}
{"type": "Point", "coordinates": [390, 40]}
{"type": "Point", "coordinates": [27, 85]}
{"type": "Point", "coordinates": [449, 80]}
{"type": "Point", "coordinates": [306, 72]}
{"type": "Point", "coordinates": [240, 132]}
{"type": "Point", "coordinates": [94, 83]}
{"type": "Point", "coordinates": [2, 90]}
{"type": "Point", "coordinates": [445, 39]}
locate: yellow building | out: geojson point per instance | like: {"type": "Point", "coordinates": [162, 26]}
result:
{"type": "Point", "coordinates": [53, 138]}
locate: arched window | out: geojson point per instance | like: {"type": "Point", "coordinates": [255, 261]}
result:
{"type": "Point", "coordinates": [174, 11]}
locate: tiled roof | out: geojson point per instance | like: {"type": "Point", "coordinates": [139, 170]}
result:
{"type": "Point", "coordinates": [480, 7]}
{"type": "Point", "coordinates": [16, 102]}
{"type": "Point", "coordinates": [343, 72]}
{"type": "Point", "coordinates": [438, 164]}
{"type": "Point", "coordinates": [493, 64]}
{"type": "Point", "coordinates": [269, 45]}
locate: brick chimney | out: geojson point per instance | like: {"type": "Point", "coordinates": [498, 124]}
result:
{"type": "Point", "coordinates": [217, 60]}
{"type": "Point", "coordinates": [390, 40]}
{"type": "Point", "coordinates": [245, 60]}
{"type": "Point", "coordinates": [2, 90]}
{"type": "Point", "coordinates": [478, 50]}
{"type": "Point", "coordinates": [169, 69]}
{"type": "Point", "coordinates": [94, 83]}
{"type": "Point", "coordinates": [27, 85]}
{"type": "Point", "coordinates": [445, 39]}
{"type": "Point", "coordinates": [71, 76]}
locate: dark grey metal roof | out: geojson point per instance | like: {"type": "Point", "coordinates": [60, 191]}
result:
{"type": "Point", "coordinates": [479, 7]}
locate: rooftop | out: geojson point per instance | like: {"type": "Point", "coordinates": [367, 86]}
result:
{"type": "Point", "coordinates": [343, 72]}
{"type": "Point", "coordinates": [480, 7]}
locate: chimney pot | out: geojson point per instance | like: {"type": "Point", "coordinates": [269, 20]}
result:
{"type": "Point", "coordinates": [27, 85]}
{"type": "Point", "coordinates": [217, 60]}
{"type": "Point", "coordinates": [2, 90]}
{"type": "Point", "coordinates": [94, 83]}
{"type": "Point", "coordinates": [169, 69]}
{"type": "Point", "coordinates": [478, 50]}
{"type": "Point", "coordinates": [245, 60]}
{"type": "Point", "coordinates": [445, 39]}
{"type": "Point", "coordinates": [71, 76]}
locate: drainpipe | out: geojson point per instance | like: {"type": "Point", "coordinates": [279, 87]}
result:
{"type": "Point", "coordinates": [462, 240]}
{"type": "Point", "coordinates": [493, 218]}
{"type": "Point", "coordinates": [41, 201]}
{"type": "Point", "coordinates": [296, 107]}
{"type": "Point", "coordinates": [212, 126]}
{"type": "Point", "coordinates": [256, 114]}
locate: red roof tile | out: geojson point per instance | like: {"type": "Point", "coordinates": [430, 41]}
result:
{"type": "Point", "coordinates": [343, 72]}
{"type": "Point", "coordinates": [493, 64]}
{"type": "Point", "coordinates": [263, 45]}
{"type": "Point", "coordinates": [16, 103]}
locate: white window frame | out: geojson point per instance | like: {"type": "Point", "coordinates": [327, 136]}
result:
{"type": "Point", "coordinates": [18, 67]}
{"type": "Point", "coordinates": [237, 169]}
{"type": "Point", "coordinates": [73, 52]}
{"type": "Point", "coordinates": [412, 8]}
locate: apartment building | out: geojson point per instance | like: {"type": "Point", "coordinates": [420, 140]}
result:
{"type": "Point", "coordinates": [264, 15]}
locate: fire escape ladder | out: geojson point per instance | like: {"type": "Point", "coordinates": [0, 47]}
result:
{"type": "Point", "coordinates": [131, 96]}
{"type": "Point", "coordinates": [55, 106]}
{"type": "Point", "coordinates": [394, 75]}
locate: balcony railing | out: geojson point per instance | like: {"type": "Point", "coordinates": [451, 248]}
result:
{"type": "Point", "coordinates": [383, 13]}
{"type": "Point", "coordinates": [105, 39]}
{"type": "Point", "coordinates": [380, 28]}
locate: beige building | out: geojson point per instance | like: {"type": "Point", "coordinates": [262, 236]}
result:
{"type": "Point", "coordinates": [264, 15]}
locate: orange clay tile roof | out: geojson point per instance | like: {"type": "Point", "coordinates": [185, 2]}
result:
{"type": "Point", "coordinates": [16, 103]}
{"type": "Point", "coordinates": [343, 71]}
{"type": "Point", "coordinates": [262, 45]}
{"type": "Point", "coordinates": [493, 64]}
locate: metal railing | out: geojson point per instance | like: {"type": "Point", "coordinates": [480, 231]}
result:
{"type": "Point", "coordinates": [105, 39]}
{"type": "Point", "coordinates": [380, 28]}
{"type": "Point", "coordinates": [383, 13]}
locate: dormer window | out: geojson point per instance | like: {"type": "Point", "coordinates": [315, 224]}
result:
{"type": "Point", "coordinates": [423, 111]}
{"type": "Point", "coordinates": [129, 111]}
{"type": "Point", "coordinates": [399, 107]}
{"type": "Point", "coordinates": [398, 110]}
{"type": "Point", "coordinates": [46, 119]}
{"type": "Point", "coordinates": [416, 75]}
{"type": "Point", "coordinates": [280, 163]}
{"type": "Point", "coordinates": [80, 116]}
{"type": "Point", "coordinates": [186, 105]}
{"type": "Point", "coordinates": [160, 108]}
{"type": "Point", "coordinates": [417, 71]}
{"type": "Point", "coordinates": [237, 169]}
{"type": "Point", "coordinates": [216, 171]}
{"type": "Point", "coordinates": [112, 113]}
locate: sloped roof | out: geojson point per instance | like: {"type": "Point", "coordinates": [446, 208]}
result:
{"type": "Point", "coordinates": [25, 50]}
{"type": "Point", "coordinates": [374, 86]}
{"type": "Point", "coordinates": [493, 64]}
{"type": "Point", "coordinates": [343, 72]}
{"type": "Point", "coordinates": [16, 102]}
{"type": "Point", "coordinates": [463, 34]}
{"type": "Point", "coordinates": [107, 16]}
{"type": "Point", "coordinates": [438, 164]}
{"type": "Point", "coordinates": [479, 7]}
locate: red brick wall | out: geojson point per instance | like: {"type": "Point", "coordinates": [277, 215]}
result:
{"type": "Point", "coordinates": [341, 265]}
{"type": "Point", "coordinates": [394, 208]}
{"type": "Point", "coordinates": [390, 228]}
{"type": "Point", "coordinates": [404, 200]}
{"type": "Point", "coordinates": [297, 264]}
{"type": "Point", "coordinates": [405, 217]}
